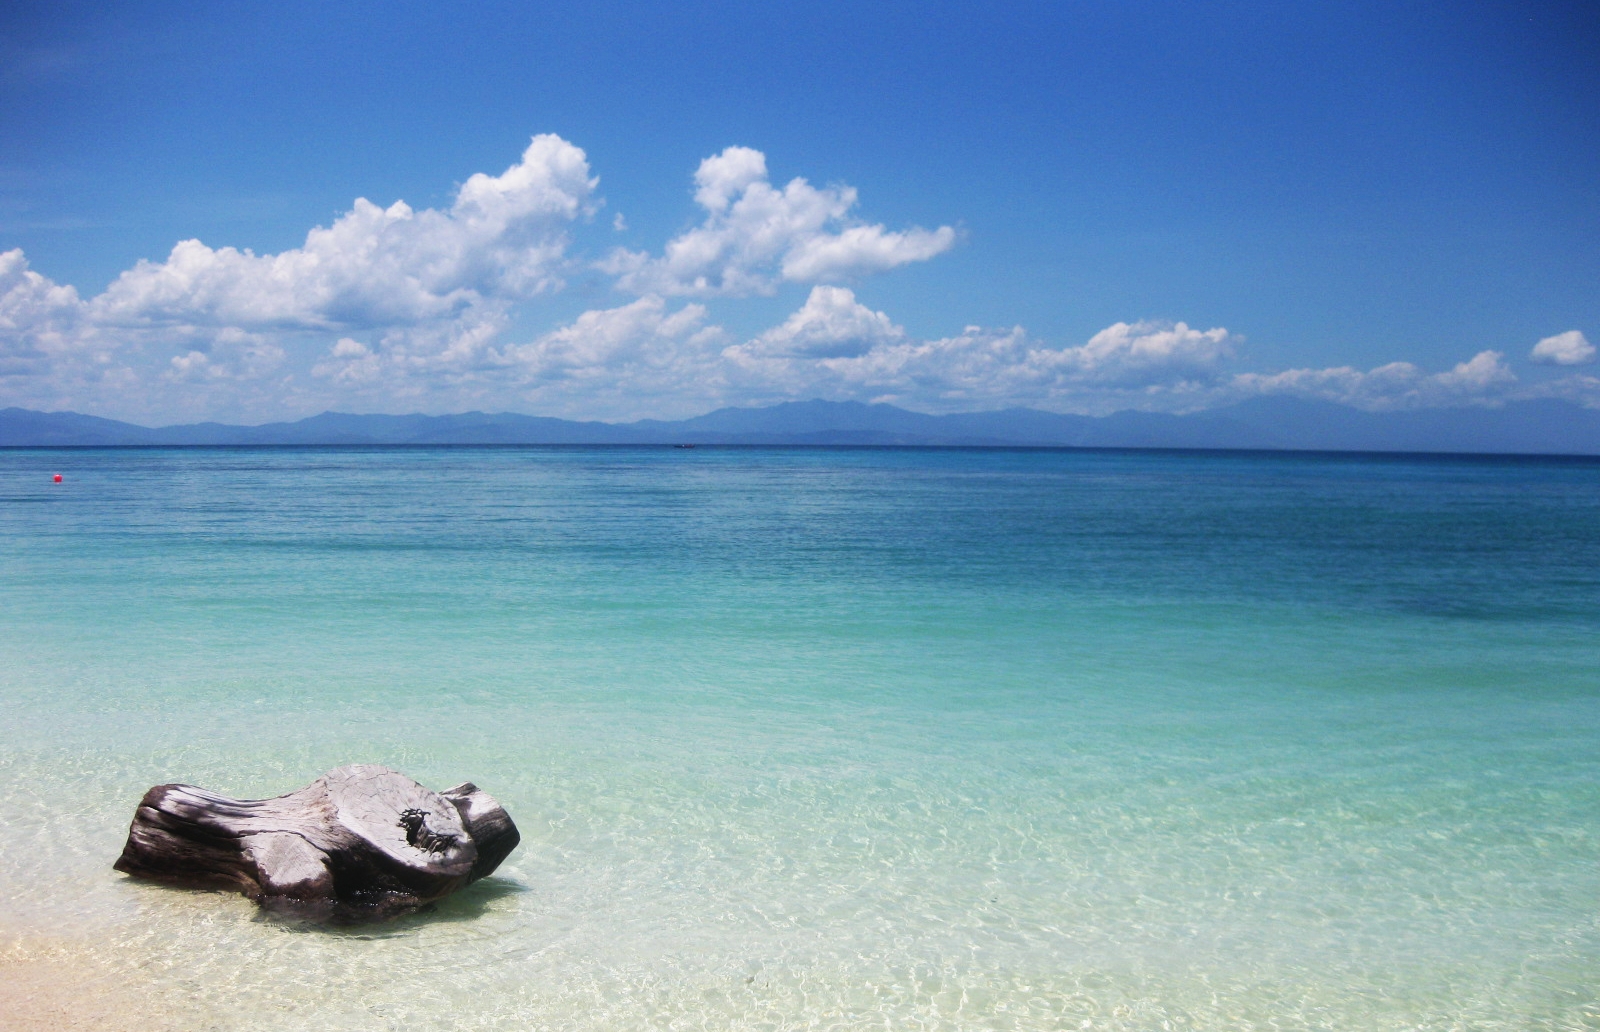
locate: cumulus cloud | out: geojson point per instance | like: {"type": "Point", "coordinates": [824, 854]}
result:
{"type": "Point", "coordinates": [229, 354]}
{"type": "Point", "coordinates": [831, 324]}
{"type": "Point", "coordinates": [396, 307]}
{"type": "Point", "coordinates": [504, 237]}
{"type": "Point", "coordinates": [1482, 379]}
{"type": "Point", "coordinates": [398, 303]}
{"type": "Point", "coordinates": [1579, 388]}
{"type": "Point", "coordinates": [606, 363]}
{"type": "Point", "coordinates": [614, 342]}
{"type": "Point", "coordinates": [349, 362]}
{"type": "Point", "coordinates": [40, 321]}
{"type": "Point", "coordinates": [640, 358]}
{"type": "Point", "coordinates": [837, 347]}
{"type": "Point", "coordinates": [755, 236]}
{"type": "Point", "coordinates": [432, 287]}
{"type": "Point", "coordinates": [1564, 349]}
{"type": "Point", "coordinates": [1144, 353]}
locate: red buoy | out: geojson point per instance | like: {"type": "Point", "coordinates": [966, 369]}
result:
{"type": "Point", "coordinates": [58, 478]}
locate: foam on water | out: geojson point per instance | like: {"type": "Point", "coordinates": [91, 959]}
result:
{"type": "Point", "coordinates": [834, 739]}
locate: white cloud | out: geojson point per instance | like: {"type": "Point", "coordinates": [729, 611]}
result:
{"type": "Point", "coordinates": [722, 178]}
{"type": "Point", "coordinates": [40, 322]}
{"type": "Point", "coordinates": [831, 324]}
{"type": "Point", "coordinates": [1565, 349]}
{"type": "Point", "coordinates": [504, 237]}
{"type": "Point", "coordinates": [403, 307]}
{"type": "Point", "coordinates": [349, 362]}
{"type": "Point", "coordinates": [433, 287]}
{"type": "Point", "coordinates": [642, 358]}
{"type": "Point", "coordinates": [837, 347]}
{"type": "Point", "coordinates": [638, 359]}
{"type": "Point", "coordinates": [446, 348]}
{"type": "Point", "coordinates": [1579, 388]}
{"type": "Point", "coordinates": [418, 361]}
{"type": "Point", "coordinates": [229, 354]}
{"type": "Point", "coordinates": [399, 308]}
{"type": "Point", "coordinates": [610, 341]}
{"type": "Point", "coordinates": [861, 249]}
{"type": "Point", "coordinates": [1144, 353]}
{"type": "Point", "coordinates": [755, 236]}
{"type": "Point", "coordinates": [1482, 379]}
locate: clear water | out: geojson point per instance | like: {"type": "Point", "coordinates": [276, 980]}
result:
{"type": "Point", "coordinates": [824, 739]}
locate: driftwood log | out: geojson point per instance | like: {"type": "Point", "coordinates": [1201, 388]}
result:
{"type": "Point", "coordinates": [359, 842]}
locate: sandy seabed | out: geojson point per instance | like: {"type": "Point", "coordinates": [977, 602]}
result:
{"type": "Point", "coordinates": [63, 987]}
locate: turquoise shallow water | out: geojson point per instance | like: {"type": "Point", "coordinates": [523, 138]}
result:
{"type": "Point", "coordinates": [834, 739]}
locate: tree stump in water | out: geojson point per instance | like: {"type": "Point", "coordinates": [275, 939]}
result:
{"type": "Point", "coordinates": [360, 841]}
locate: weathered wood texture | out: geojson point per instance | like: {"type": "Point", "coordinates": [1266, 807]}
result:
{"type": "Point", "coordinates": [360, 841]}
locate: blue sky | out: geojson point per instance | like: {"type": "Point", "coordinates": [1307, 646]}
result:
{"type": "Point", "coordinates": [1079, 207]}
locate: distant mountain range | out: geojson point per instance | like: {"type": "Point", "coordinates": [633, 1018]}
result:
{"type": "Point", "coordinates": [1526, 427]}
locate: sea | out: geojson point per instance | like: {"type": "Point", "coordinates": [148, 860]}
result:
{"type": "Point", "coordinates": [843, 739]}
